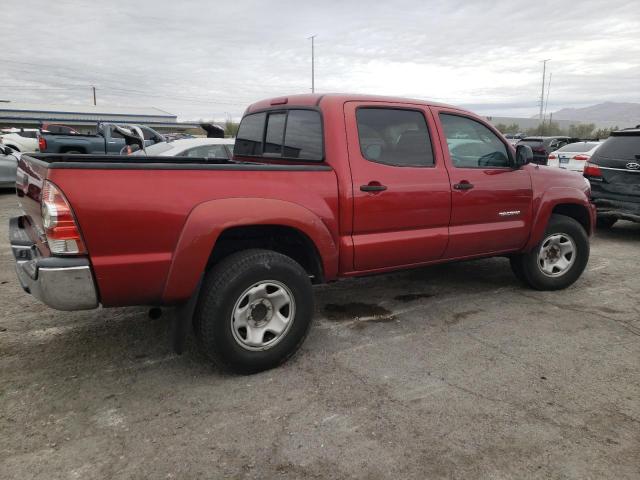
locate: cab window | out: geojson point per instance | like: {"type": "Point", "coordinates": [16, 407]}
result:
{"type": "Point", "coordinates": [394, 137]}
{"type": "Point", "coordinates": [473, 145]}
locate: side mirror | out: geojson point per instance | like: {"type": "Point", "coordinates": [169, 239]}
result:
{"type": "Point", "coordinates": [524, 155]}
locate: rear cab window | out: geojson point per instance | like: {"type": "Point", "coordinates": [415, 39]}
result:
{"type": "Point", "coordinates": [292, 134]}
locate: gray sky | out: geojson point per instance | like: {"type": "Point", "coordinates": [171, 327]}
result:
{"type": "Point", "coordinates": [207, 59]}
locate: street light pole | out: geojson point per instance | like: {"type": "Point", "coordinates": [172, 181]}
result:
{"type": "Point", "coordinates": [313, 73]}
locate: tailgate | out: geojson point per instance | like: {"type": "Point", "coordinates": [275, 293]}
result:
{"type": "Point", "coordinates": [622, 184]}
{"type": "Point", "coordinates": [619, 161]}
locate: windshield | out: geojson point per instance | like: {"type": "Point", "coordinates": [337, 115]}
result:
{"type": "Point", "coordinates": [579, 147]}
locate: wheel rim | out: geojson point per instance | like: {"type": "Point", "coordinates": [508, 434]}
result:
{"type": "Point", "coordinates": [557, 255]}
{"type": "Point", "coordinates": [263, 315]}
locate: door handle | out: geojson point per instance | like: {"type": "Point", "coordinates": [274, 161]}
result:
{"type": "Point", "coordinates": [463, 185]}
{"type": "Point", "coordinates": [373, 187]}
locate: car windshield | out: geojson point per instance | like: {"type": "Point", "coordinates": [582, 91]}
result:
{"type": "Point", "coordinates": [579, 147]}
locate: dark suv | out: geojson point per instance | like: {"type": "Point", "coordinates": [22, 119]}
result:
{"type": "Point", "coordinates": [614, 174]}
{"type": "Point", "coordinates": [543, 146]}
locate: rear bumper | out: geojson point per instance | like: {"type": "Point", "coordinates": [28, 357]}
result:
{"type": "Point", "coordinates": [617, 209]}
{"type": "Point", "coordinates": [61, 283]}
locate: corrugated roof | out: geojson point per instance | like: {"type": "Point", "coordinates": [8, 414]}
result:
{"type": "Point", "coordinates": [84, 109]}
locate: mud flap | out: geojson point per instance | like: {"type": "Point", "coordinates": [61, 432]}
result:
{"type": "Point", "coordinates": [183, 320]}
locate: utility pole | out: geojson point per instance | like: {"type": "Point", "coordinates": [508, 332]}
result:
{"type": "Point", "coordinates": [94, 94]}
{"type": "Point", "coordinates": [313, 73]}
{"type": "Point", "coordinates": [544, 78]}
{"type": "Point", "coordinates": [546, 102]}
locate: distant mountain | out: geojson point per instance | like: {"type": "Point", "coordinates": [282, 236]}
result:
{"type": "Point", "coordinates": [608, 111]}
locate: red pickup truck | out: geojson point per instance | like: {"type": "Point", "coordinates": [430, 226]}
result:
{"type": "Point", "coordinates": [321, 187]}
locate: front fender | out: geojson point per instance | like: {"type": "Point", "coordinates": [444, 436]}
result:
{"type": "Point", "coordinates": [544, 205]}
{"type": "Point", "coordinates": [208, 220]}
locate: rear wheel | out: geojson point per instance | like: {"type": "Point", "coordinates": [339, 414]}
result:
{"type": "Point", "coordinates": [254, 312]}
{"type": "Point", "coordinates": [605, 222]}
{"type": "Point", "coordinates": [558, 260]}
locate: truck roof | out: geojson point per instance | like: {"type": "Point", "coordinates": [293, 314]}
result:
{"type": "Point", "coordinates": [311, 99]}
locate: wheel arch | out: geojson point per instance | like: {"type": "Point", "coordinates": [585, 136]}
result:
{"type": "Point", "coordinates": [217, 228]}
{"type": "Point", "coordinates": [570, 202]}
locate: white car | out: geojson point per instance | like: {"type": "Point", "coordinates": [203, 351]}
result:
{"type": "Point", "coordinates": [8, 166]}
{"type": "Point", "coordinates": [573, 156]}
{"type": "Point", "coordinates": [20, 140]}
{"type": "Point", "coordinates": [216, 148]}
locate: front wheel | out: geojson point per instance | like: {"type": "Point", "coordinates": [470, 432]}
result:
{"type": "Point", "coordinates": [558, 260]}
{"type": "Point", "coordinates": [254, 312]}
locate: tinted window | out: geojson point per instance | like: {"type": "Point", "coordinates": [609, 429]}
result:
{"type": "Point", "coordinates": [394, 137]}
{"type": "Point", "coordinates": [249, 138]}
{"type": "Point", "coordinates": [303, 138]}
{"type": "Point", "coordinates": [275, 132]}
{"type": "Point", "coordinates": [579, 147]}
{"type": "Point", "coordinates": [472, 145]}
{"type": "Point", "coordinates": [28, 134]}
{"type": "Point", "coordinates": [625, 148]}
{"type": "Point", "coordinates": [206, 151]}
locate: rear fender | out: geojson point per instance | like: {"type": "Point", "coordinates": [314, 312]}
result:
{"type": "Point", "coordinates": [544, 205]}
{"type": "Point", "coordinates": [208, 220]}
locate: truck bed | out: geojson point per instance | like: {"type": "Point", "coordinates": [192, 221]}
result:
{"type": "Point", "coordinates": [132, 210]}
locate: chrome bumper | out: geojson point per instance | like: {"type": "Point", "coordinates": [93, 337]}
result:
{"type": "Point", "coordinates": [62, 283]}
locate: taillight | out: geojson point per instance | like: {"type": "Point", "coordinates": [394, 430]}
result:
{"type": "Point", "coordinates": [42, 144]}
{"type": "Point", "coordinates": [581, 157]}
{"type": "Point", "coordinates": [552, 156]}
{"type": "Point", "coordinates": [60, 227]}
{"type": "Point", "coordinates": [592, 170]}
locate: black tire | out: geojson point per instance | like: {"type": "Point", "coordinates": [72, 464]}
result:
{"type": "Point", "coordinates": [516, 267]}
{"type": "Point", "coordinates": [224, 285]}
{"type": "Point", "coordinates": [605, 222]}
{"type": "Point", "coordinates": [527, 268]}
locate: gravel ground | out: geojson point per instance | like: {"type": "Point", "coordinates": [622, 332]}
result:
{"type": "Point", "coordinates": [454, 371]}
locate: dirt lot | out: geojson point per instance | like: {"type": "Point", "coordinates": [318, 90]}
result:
{"type": "Point", "coordinates": [454, 371]}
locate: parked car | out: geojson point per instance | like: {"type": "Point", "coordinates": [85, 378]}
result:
{"type": "Point", "coordinates": [614, 174]}
{"type": "Point", "coordinates": [107, 141]}
{"type": "Point", "coordinates": [20, 139]}
{"type": "Point", "coordinates": [514, 138]}
{"type": "Point", "coordinates": [214, 148]}
{"type": "Point", "coordinates": [543, 146]}
{"type": "Point", "coordinates": [8, 166]}
{"type": "Point", "coordinates": [320, 187]}
{"type": "Point", "coordinates": [573, 156]}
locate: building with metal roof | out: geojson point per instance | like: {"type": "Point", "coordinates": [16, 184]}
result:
{"type": "Point", "coordinates": [86, 117]}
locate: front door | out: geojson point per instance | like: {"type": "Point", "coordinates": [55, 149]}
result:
{"type": "Point", "coordinates": [402, 195]}
{"type": "Point", "coordinates": [491, 201]}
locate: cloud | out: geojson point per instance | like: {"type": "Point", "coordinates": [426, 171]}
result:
{"type": "Point", "coordinates": [211, 59]}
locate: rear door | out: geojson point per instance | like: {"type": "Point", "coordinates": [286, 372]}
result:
{"type": "Point", "coordinates": [491, 201]}
{"type": "Point", "coordinates": [619, 161]}
{"type": "Point", "coordinates": [402, 196]}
